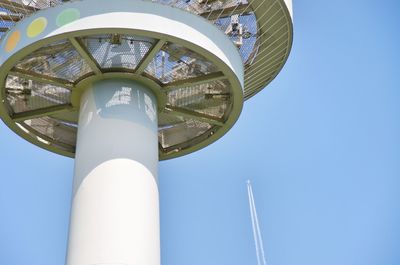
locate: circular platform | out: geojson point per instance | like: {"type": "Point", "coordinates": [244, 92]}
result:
{"type": "Point", "coordinates": [195, 69]}
{"type": "Point", "coordinates": [51, 57]}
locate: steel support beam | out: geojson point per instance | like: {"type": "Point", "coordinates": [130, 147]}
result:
{"type": "Point", "coordinates": [195, 115]}
{"type": "Point", "coordinates": [10, 17]}
{"type": "Point", "coordinates": [40, 78]}
{"type": "Point", "coordinates": [83, 51]}
{"type": "Point", "coordinates": [27, 115]}
{"type": "Point", "coordinates": [225, 12]}
{"type": "Point", "coordinates": [11, 4]}
{"type": "Point", "coordinates": [149, 56]}
{"type": "Point", "coordinates": [198, 80]}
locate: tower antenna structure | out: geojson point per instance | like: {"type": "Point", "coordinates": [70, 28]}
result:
{"type": "Point", "coordinates": [258, 242]}
{"type": "Point", "coordinates": [119, 85]}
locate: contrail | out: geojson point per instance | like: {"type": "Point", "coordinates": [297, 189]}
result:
{"type": "Point", "coordinates": [256, 227]}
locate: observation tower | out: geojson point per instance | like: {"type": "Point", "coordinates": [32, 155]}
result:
{"type": "Point", "coordinates": [122, 84]}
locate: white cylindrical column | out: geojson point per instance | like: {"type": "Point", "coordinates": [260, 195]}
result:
{"type": "Point", "coordinates": [115, 209]}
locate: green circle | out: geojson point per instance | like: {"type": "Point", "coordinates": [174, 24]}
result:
{"type": "Point", "coordinates": [67, 16]}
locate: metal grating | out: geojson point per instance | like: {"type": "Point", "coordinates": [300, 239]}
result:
{"type": "Point", "coordinates": [118, 51]}
{"type": "Point", "coordinates": [272, 45]}
{"type": "Point", "coordinates": [53, 131]}
{"type": "Point", "coordinates": [166, 120]}
{"type": "Point", "coordinates": [211, 98]}
{"type": "Point", "coordinates": [7, 20]}
{"type": "Point", "coordinates": [247, 50]}
{"type": "Point", "coordinates": [57, 60]}
{"type": "Point", "coordinates": [175, 62]}
{"type": "Point", "coordinates": [245, 37]}
{"type": "Point", "coordinates": [182, 133]}
{"type": "Point", "coordinates": [25, 95]}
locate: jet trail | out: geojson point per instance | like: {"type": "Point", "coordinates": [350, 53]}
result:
{"type": "Point", "coordinates": [256, 227]}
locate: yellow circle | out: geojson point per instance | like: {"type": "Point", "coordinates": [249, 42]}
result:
{"type": "Point", "coordinates": [36, 27]}
{"type": "Point", "coordinates": [12, 41]}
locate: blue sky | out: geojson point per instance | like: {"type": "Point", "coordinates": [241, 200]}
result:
{"type": "Point", "coordinates": [321, 145]}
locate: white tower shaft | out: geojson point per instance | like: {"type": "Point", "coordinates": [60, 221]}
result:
{"type": "Point", "coordinates": [115, 210]}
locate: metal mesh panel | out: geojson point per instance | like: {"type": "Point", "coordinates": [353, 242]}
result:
{"type": "Point", "coordinates": [247, 50]}
{"type": "Point", "coordinates": [211, 98]}
{"type": "Point", "coordinates": [59, 132]}
{"type": "Point", "coordinates": [167, 120]}
{"type": "Point", "coordinates": [118, 51]}
{"type": "Point", "coordinates": [203, 6]}
{"type": "Point", "coordinates": [175, 62]}
{"type": "Point", "coordinates": [30, 5]}
{"type": "Point", "coordinates": [245, 38]}
{"type": "Point", "coordinates": [182, 132]}
{"type": "Point", "coordinates": [25, 95]}
{"type": "Point", "coordinates": [7, 20]}
{"type": "Point", "coordinates": [10, 7]}
{"type": "Point", "coordinates": [59, 60]}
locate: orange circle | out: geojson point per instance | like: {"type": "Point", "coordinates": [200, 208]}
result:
{"type": "Point", "coordinates": [12, 41]}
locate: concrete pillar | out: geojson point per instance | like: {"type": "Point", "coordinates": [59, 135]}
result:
{"type": "Point", "coordinates": [115, 209]}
